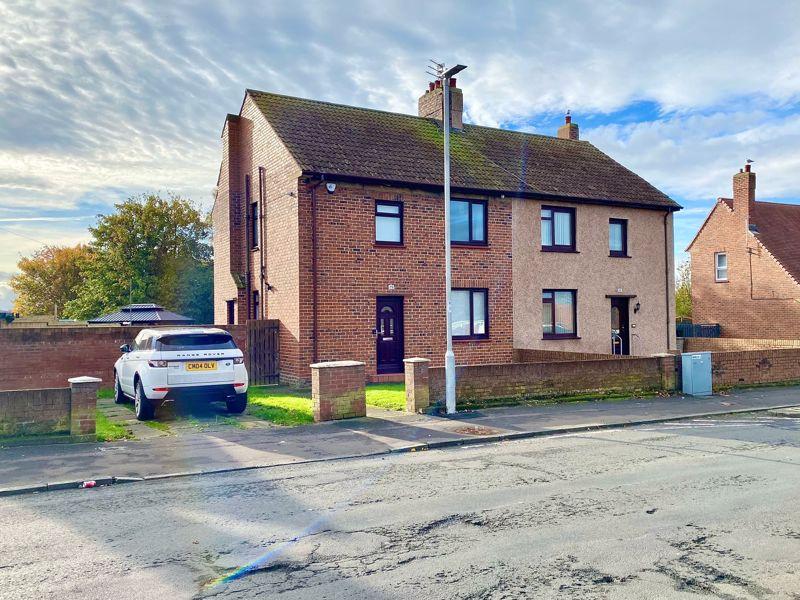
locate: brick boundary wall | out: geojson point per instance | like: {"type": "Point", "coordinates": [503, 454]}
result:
{"type": "Point", "coordinates": [532, 355]}
{"type": "Point", "coordinates": [46, 357]}
{"type": "Point", "coordinates": [725, 344]}
{"type": "Point", "coordinates": [338, 391]}
{"type": "Point", "coordinates": [51, 411]}
{"type": "Point", "coordinates": [746, 367]}
{"type": "Point", "coordinates": [484, 384]}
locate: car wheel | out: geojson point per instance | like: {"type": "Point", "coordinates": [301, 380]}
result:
{"type": "Point", "coordinates": [236, 404]}
{"type": "Point", "coordinates": [143, 407]}
{"type": "Point", "coordinates": [119, 397]}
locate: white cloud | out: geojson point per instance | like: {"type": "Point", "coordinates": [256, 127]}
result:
{"type": "Point", "coordinates": [7, 295]}
{"type": "Point", "coordinates": [99, 100]}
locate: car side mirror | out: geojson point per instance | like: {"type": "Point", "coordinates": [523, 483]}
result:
{"type": "Point", "coordinates": [125, 348]}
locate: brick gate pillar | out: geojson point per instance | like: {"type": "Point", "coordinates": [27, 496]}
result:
{"type": "Point", "coordinates": [418, 394]}
{"type": "Point", "coordinates": [337, 390]}
{"type": "Point", "coordinates": [83, 392]}
{"type": "Point", "coordinates": [666, 366]}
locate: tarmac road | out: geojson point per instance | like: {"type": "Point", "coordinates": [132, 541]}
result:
{"type": "Point", "coordinates": [702, 508]}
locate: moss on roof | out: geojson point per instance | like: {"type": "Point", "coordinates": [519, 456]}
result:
{"type": "Point", "coordinates": [342, 140]}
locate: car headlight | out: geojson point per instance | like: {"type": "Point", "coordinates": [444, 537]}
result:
{"type": "Point", "coordinates": [158, 364]}
{"type": "Point", "coordinates": [239, 360]}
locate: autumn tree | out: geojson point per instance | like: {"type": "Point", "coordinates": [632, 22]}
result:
{"type": "Point", "coordinates": [683, 290]}
{"type": "Point", "coordinates": [49, 279]}
{"type": "Point", "coordinates": [151, 249]}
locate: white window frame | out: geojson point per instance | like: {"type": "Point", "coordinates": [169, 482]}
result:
{"type": "Point", "coordinates": [718, 268]}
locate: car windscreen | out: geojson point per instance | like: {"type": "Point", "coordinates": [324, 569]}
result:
{"type": "Point", "coordinates": [195, 341]}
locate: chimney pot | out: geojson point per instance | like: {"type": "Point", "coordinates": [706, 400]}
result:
{"type": "Point", "coordinates": [452, 82]}
{"type": "Point", "coordinates": [568, 119]}
{"type": "Point", "coordinates": [438, 83]}
{"type": "Point", "coordinates": [431, 85]}
{"type": "Point", "coordinates": [747, 168]}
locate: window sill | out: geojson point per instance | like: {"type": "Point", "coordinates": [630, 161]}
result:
{"type": "Point", "coordinates": [561, 337]}
{"type": "Point", "coordinates": [461, 340]}
{"type": "Point", "coordinates": [722, 281]}
{"type": "Point", "coordinates": [468, 245]}
{"type": "Point", "coordinates": [560, 250]}
{"type": "Point", "coordinates": [612, 255]}
{"type": "Point", "coordinates": [389, 244]}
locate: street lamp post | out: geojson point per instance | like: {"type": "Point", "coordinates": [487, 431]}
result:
{"type": "Point", "coordinates": [449, 356]}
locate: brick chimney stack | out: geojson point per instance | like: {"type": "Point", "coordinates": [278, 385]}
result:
{"type": "Point", "coordinates": [431, 103]}
{"type": "Point", "coordinates": [744, 192]}
{"type": "Point", "coordinates": [569, 130]}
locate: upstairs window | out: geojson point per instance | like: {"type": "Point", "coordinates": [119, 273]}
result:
{"type": "Point", "coordinates": [389, 222]}
{"type": "Point", "coordinates": [470, 313]}
{"type": "Point", "coordinates": [468, 222]}
{"type": "Point", "coordinates": [618, 237]}
{"type": "Point", "coordinates": [559, 314]}
{"type": "Point", "coordinates": [558, 229]}
{"type": "Point", "coordinates": [721, 266]}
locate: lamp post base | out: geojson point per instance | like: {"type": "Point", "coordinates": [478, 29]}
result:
{"type": "Point", "coordinates": [450, 381]}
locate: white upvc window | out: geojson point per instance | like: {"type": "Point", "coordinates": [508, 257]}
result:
{"type": "Point", "coordinates": [721, 266]}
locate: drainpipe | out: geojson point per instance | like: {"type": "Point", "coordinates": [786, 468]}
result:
{"type": "Point", "coordinates": [314, 328]}
{"type": "Point", "coordinates": [666, 274]}
{"type": "Point", "coordinates": [262, 213]}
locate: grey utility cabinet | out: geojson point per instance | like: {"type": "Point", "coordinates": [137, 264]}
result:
{"type": "Point", "coordinates": [696, 372]}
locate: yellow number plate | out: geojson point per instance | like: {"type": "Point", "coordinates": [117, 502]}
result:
{"type": "Point", "coordinates": [210, 365]}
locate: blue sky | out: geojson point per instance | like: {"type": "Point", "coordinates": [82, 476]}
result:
{"type": "Point", "coordinates": [99, 101]}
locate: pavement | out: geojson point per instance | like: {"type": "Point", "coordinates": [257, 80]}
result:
{"type": "Point", "coordinates": [700, 508]}
{"type": "Point", "coordinates": [214, 449]}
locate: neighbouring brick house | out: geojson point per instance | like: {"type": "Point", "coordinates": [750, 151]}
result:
{"type": "Point", "coordinates": [330, 218]}
{"type": "Point", "coordinates": [746, 265]}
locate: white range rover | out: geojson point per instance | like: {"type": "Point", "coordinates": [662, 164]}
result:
{"type": "Point", "coordinates": [164, 364]}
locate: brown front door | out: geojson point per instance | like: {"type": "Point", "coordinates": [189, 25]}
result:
{"type": "Point", "coordinates": [620, 325]}
{"type": "Point", "coordinates": [389, 334]}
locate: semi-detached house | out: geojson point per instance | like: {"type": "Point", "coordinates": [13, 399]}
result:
{"type": "Point", "coordinates": [330, 219]}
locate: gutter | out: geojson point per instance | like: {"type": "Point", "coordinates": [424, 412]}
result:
{"type": "Point", "coordinates": [437, 188]}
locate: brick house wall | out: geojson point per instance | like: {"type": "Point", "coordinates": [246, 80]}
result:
{"type": "Point", "coordinates": [646, 273]}
{"type": "Point", "coordinates": [353, 271]}
{"type": "Point", "coordinates": [256, 146]}
{"type": "Point", "coordinates": [759, 300]}
{"type": "Point", "coordinates": [226, 216]}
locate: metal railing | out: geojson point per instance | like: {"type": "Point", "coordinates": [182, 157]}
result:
{"type": "Point", "coordinates": [707, 330]}
{"type": "Point", "coordinates": [616, 344]}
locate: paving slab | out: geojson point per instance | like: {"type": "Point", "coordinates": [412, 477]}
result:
{"type": "Point", "coordinates": [216, 449]}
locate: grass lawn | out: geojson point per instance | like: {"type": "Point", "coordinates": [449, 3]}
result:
{"type": "Point", "coordinates": [288, 406]}
{"type": "Point", "coordinates": [280, 405]}
{"type": "Point", "coordinates": [391, 396]}
{"type": "Point", "coordinates": [105, 393]}
{"type": "Point", "coordinates": [108, 431]}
